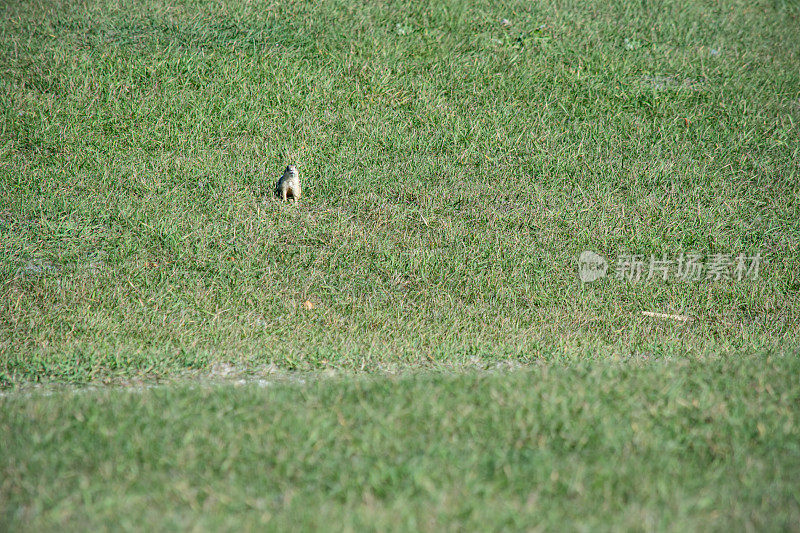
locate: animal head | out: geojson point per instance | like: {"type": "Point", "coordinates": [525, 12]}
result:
{"type": "Point", "coordinates": [291, 169]}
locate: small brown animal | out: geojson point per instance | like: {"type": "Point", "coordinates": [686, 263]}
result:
{"type": "Point", "coordinates": [288, 185]}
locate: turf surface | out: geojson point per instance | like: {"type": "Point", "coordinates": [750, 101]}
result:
{"type": "Point", "coordinates": [455, 165]}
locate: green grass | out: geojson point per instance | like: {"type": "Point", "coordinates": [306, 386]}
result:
{"type": "Point", "coordinates": [684, 445]}
{"type": "Point", "coordinates": [453, 170]}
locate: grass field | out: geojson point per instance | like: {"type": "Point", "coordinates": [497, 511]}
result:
{"type": "Point", "coordinates": [682, 446]}
{"type": "Point", "coordinates": [454, 168]}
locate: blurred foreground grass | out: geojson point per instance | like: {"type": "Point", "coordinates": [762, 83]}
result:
{"type": "Point", "coordinates": [691, 445]}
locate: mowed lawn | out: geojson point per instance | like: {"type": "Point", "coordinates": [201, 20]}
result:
{"type": "Point", "coordinates": [454, 169]}
{"type": "Point", "coordinates": [457, 157]}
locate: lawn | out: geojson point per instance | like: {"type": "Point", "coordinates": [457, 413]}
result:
{"type": "Point", "coordinates": [689, 445]}
{"type": "Point", "coordinates": [457, 158]}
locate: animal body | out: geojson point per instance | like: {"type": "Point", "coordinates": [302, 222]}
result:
{"type": "Point", "coordinates": [288, 185]}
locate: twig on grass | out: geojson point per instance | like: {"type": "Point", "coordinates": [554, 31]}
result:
{"type": "Point", "coordinates": [681, 318]}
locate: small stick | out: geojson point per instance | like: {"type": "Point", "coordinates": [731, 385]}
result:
{"type": "Point", "coordinates": [682, 318]}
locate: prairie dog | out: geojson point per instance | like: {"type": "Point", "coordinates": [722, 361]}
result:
{"type": "Point", "coordinates": [288, 185]}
